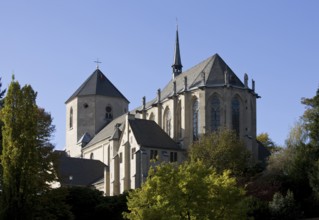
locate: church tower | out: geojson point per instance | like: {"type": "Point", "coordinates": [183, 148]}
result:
{"type": "Point", "coordinates": [92, 106]}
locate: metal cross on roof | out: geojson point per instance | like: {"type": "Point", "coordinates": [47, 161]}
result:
{"type": "Point", "coordinates": [97, 63]}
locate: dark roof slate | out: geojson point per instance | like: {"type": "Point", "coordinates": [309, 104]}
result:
{"type": "Point", "coordinates": [208, 73]}
{"type": "Point", "coordinates": [84, 172]}
{"type": "Point", "coordinates": [149, 134]}
{"type": "Point", "coordinates": [97, 84]}
{"type": "Point", "coordinates": [108, 131]}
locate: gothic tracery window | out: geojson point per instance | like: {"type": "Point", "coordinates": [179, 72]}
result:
{"type": "Point", "coordinates": [215, 113]}
{"type": "Point", "coordinates": [195, 119]}
{"type": "Point", "coordinates": [236, 114]}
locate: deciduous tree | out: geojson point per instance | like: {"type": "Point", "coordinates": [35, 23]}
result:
{"type": "Point", "coordinates": [189, 191]}
{"type": "Point", "coordinates": [267, 142]}
{"type": "Point", "coordinates": [27, 152]}
{"type": "Point", "coordinates": [222, 150]}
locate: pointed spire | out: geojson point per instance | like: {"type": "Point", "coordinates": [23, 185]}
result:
{"type": "Point", "coordinates": [177, 65]}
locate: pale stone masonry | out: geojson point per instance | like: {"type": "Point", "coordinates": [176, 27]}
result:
{"type": "Point", "coordinates": [197, 101]}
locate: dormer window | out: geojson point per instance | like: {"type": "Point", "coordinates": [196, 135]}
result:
{"type": "Point", "coordinates": [108, 113]}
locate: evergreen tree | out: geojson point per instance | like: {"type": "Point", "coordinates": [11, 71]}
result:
{"type": "Point", "coordinates": [27, 153]}
{"type": "Point", "coordinates": [311, 118]}
{"type": "Point", "coordinates": [1, 94]}
{"type": "Point", "coordinates": [1, 104]}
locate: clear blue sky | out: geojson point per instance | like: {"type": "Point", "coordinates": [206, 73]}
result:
{"type": "Point", "coordinates": [52, 45]}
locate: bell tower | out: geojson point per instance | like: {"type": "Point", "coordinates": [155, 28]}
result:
{"type": "Point", "coordinates": [92, 106]}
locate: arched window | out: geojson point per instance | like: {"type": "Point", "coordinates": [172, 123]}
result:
{"type": "Point", "coordinates": [167, 121]}
{"type": "Point", "coordinates": [179, 119]}
{"type": "Point", "coordinates": [71, 118]}
{"type": "Point", "coordinates": [108, 113]}
{"type": "Point", "coordinates": [152, 117]}
{"type": "Point", "coordinates": [215, 113]}
{"type": "Point", "coordinates": [235, 104]}
{"type": "Point", "coordinates": [92, 156]}
{"type": "Point", "coordinates": [195, 119]}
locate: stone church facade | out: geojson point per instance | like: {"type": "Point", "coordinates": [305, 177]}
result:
{"type": "Point", "coordinates": [194, 102]}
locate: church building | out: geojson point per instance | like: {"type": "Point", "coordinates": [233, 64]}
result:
{"type": "Point", "coordinates": [99, 125]}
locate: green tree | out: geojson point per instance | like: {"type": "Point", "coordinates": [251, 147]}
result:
{"type": "Point", "coordinates": [294, 168]}
{"type": "Point", "coordinates": [54, 205]}
{"type": "Point", "coordinates": [267, 142]}
{"type": "Point", "coordinates": [2, 92]}
{"type": "Point", "coordinates": [311, 118]}
{"type": "Point", "coordinates": [223, 151]}
{"type": "Point", "coordinates": [311, 127]}
{"type": "Point", "coordinates": [27, 153]}
{"type": "Point", "coordinates": [284, 207]}
{"type": "Point", "coordinates": [188, 191]}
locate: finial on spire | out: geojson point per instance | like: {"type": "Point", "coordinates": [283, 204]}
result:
{"type": "Point", "coordinates": [97, 63]}
{"type": "Point", "coordinates": [176, 23]}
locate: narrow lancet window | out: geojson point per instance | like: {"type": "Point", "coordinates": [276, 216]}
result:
{"type": "Point", "coordinates": [215, 113]}
{"type": "Point", "coordinates": [195, 120]}
{"type": "Point", "coordinates": [167, 121]}
{"type": "Point", "coordinates": [71, 118]}
{"type": "Point", "coordinates": [236, 115]}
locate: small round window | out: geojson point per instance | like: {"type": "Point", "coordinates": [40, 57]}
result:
{"type": "Point", "coordinates": [108, 113]}
{"type": "Point", "coordinates": [108, 109]}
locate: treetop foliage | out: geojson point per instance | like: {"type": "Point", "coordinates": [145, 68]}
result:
{"type": "Point", "coordinates": [222, 150]}
{"type": "Point", "coordinates": [188, 191]}
{"type": "Point", "coordinates": [311, 117]}
{"type": "Point", "coordinates": [1, 94]}
{"type": "Point", "coordinates": [268, 142]}
{"type": "Point", "coordinates": [27, 152]}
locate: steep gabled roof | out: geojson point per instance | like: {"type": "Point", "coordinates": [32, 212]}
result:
{"type": "Point", "coordinates": [108, 131]}
{"type": "Point", "coordinates": [149, 134]}
{"type": "Point", "coordinates": [97, 84]}
{"type": "Point", "coordinates": [79, 171]}
{"type": "Point", "coordinates": [209, 73]}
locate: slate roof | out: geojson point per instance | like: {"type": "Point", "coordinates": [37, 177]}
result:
{"type": "Point", "coordinates": [97, 84]}
{"type": "Point", "coordinates": [209, 73]}
{"type": "Point", "coordinates": [149, 134]}
{"type": "Point", "coordinates": [108, 131]}
{"type": "Point", "coordinates": [84, 172]}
